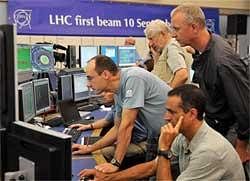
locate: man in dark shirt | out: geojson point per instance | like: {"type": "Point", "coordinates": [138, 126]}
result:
{"type": "Point", "coordinates": [221, 74]}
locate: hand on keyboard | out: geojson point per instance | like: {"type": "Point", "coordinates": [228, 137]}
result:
{"type": "Point", "coordinates": [74, 133]}
{"type": "Point", "coordinates": [80, 127]}
{"type": "Point", "coordinates": [81, 149]}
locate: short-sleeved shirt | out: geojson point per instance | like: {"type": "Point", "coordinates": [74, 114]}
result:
{"type": "Point", "coordinates": [142, 90]}
{"type": "Point", "coordinates": [139, 132]}
{"type": "Point", "coordinates": [209, 156]}
{"type": "Point", "coordinates": [171, 59]}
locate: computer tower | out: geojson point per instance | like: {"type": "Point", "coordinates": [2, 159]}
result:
{"type": "Point", "coordinates": [71, 56]}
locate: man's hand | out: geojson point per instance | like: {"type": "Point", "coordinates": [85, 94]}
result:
{"type": "Point", "coordinates": [98, 176]}
{"type": "Point", "coordinates": [168, 134]}
{"type": "Point", "coordinates": [106, 168]}
{"type": "Point", "coordinates": [155, 54]}
{"type": "Point", "coordinates": [80, 127]}
{"type": "Point", "coordinates": [81, 149]}
{"type": "Point", "coordinates": [242, 149]}
{"type": "Point", "coordinates": [87, 173]}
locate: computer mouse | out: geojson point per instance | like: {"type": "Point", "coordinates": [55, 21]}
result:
{"type": "Point", "coordinates": [85, 178]}
{"type": "Point", "coordinates": [89, 117]}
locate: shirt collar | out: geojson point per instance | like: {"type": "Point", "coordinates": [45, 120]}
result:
{"type": "Point", "coordinates": [198, 136]}
{"type": "Point", "coordinates": [210, 42]}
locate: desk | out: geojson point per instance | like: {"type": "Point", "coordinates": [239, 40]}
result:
{"type": "Point", "coordinates": [80, 162]}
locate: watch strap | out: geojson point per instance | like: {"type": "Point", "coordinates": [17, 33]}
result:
{"type": "Point", "coordinates": [115, 163]}
{"type": "Point", "coordinates": [165, 153]}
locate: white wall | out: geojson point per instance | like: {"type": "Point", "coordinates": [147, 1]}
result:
{"type": "Point", "coordinates": [3, 12]}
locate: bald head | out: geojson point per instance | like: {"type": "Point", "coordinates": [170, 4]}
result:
{"type": "Point", "coordinates": [129, 41]}
{"type": "Point", "coordinates": [101, 63]}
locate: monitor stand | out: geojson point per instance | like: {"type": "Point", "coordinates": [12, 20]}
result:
{"type": "Point", "coordinates": [26, 171]}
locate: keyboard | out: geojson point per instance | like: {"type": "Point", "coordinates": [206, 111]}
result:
{"type": "Point", "coordinates": [83, 121]}
{"type": "Point", "coordinates": [54, 122]}
{"type": "Point", "coordinates": [89, 107]}
{"type": "Point", "coordinates": [74, 133]}
{"type": "Point", "coordinates": [90, 140]}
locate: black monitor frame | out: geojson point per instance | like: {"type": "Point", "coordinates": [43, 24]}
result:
{"type": "Point", "coordinates": [83, 63]}
{"type": "Point", "coordinates": [65, 92]}
{"type": "Point", "coordinates": [37, 83]}
{"type": "Point", "coordinates": [8, 78]}
{"type": "Point", "coordinates": [50, 151]}
{"type": "Point", "coordinates": [24, 114]}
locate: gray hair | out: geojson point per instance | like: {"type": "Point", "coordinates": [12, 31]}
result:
{"type": "Point", "coordinates": [157, 26]}
{"type": "Point", "coordinates": [192, 13]}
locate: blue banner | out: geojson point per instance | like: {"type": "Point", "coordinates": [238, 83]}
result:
{"type": "Point", "coordinates": [90, 18]}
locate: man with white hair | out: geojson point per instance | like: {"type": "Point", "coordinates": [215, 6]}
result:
{"type": "Point", "coordinates": [169, 57]}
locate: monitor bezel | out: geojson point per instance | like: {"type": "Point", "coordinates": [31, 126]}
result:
{"type": "Point", "coordinates": [21, 88]}
{"type": "Point", "coordinates": [116, 52]}
{"type": "Point", "coordinates": [127, 64]}
{"type": "Point", "coordinates": [53, 58]}
{"type": "Point", "coordinates": [57, 151]}
{"type": "Point", "coordinates": [80, 54]}
{"type": "Point", "coordinates": [82, 95]}
{"type": "Point", "coordinates": [28, 46]}
{"type": "Point", "coordinates": [60, 90]}
{"type": "Point", "coordinates": [40, 82]}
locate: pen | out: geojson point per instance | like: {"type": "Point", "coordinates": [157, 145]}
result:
{"type": "Point", "coordinates": [88, 141]}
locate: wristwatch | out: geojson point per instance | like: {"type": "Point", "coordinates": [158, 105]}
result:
{"type": "Point", "coordinates": [166, 153]}
{"type": "Point", "coordinates": [115, 162]}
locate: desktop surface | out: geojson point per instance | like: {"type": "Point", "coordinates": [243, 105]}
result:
{"type": "Point", "coordinates": [80, 162]}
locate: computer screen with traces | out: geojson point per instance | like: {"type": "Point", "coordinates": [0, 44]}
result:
{"type": "Point", "coordinates": [26, 101]}
{"type": "Point", "coordinates": [110, 51]}
{"type": "Point", "coordinates": [86, 53]}
{"type": "Point", "coordinates": [80, 88]}
{"type": "Point", "coordinates": [41, 92]}
{"type": "Point", "coordinates": [127, 56]}
{"type": "Point", "coordinates": [24, 57]}
{"type": "Point", "coordinates": [42, 58]}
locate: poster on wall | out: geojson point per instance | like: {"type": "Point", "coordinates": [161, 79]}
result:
{"type": "Point", "coordinates": [91, 18]}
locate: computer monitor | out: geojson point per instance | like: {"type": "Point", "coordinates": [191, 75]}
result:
{"type": "Point", "coordinates": [53, 80]}
{"type": "Point", "coordinates": [26, 101]}
{"type": "Point", "coordinates": [86, 53]}
{"type": "Point", "coordinates": [71, 56]}
{"type": "Point", "coordinates": [24, 57]}
{"type": "Point", "coordinates": [42, 98]}
{"type": "Point", "coordinates": [8, 78]}
{"type": "Point", "coordinates": [42, 58]}
{"type": "Point", "coordinates": [80, 88]}
{"type": "Point", "coordinates": [110, 51]}
{"type": "Point", "coordinates": [127, 56]}
{"type": "Point", "coordinates": [38, 153]}
{"type": "Point", "coordinates": [8, 91]}
{"type": "Point", "coordinates": [64, 92]}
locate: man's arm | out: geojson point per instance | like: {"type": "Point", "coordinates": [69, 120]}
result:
{"type": "Point", "coordinates": [163, 169]}
{"type": "Point", "coordinates": [180, 77]}
{"type": "Point", "coordinates": [133, 173]}
{"type": "Point", "coordinates": [123, 139]}
{"type": "Point", "coordinates": [177, 64]}
{"type": "Point", "coordinates": [108, 139]}
{"type": "Point", "coordinates": [101, 123]}
{"type": "Point", "coordinates": [125, 132]}
{"type": "Point", "coordinates": [237, 88]}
